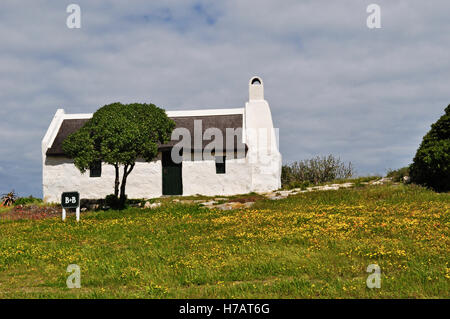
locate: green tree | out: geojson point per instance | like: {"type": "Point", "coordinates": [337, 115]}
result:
{"type": "Point", "coordinates": [118, 134]}
{"type": "Point", "coordinates": [431, 165]}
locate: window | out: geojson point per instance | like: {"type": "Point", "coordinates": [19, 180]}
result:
{"type": "Point", "coordinates": [96, 169]}
{"type": "Point", "coordinates": [220, 164]}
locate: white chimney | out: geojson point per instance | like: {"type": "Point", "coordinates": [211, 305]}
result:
{"type": "Point", "coordinates": [256, 89]}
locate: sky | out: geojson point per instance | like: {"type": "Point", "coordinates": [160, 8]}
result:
{"type": "Point", "coordinates": [334, 86]}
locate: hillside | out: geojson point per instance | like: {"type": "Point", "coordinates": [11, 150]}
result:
{"type": "Point", "coordinates": [309, 245]}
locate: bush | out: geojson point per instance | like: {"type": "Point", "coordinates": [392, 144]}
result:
{"type": "Point", "coordinates": [398, 174]}
{"type": "Point", "coordinates": [27, 200]}
{"type": "Point", "coordinates": [431, 164]}
{"type": "Point", "coordinates": [114, 202]}
{"type": "Point", "coordinates": [314, 171]}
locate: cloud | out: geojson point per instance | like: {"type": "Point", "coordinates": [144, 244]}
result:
{"type": "Point", "coordinates": [334, 86]}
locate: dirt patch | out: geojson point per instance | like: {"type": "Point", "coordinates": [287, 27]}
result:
{"type": "Point", "coordinates": [246, 199]}
{"type": "Point", "coordinates": [32, 212]}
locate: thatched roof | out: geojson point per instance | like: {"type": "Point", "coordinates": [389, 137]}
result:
{"type": "Point", "coordinates": [222, 122]}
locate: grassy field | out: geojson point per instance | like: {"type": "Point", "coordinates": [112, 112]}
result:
{"type": "Point", "coordinates": [310, 245]}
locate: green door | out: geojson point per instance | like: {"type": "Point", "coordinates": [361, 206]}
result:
{"type": "Point", "coordinates": [171, 178]}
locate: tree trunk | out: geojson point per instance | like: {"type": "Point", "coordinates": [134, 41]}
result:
{"type": "Point", "coordinates": [117, 181]}
{"type": "Point", "coordinates": [122, 186]}
{"type": "Point", "coordinates": [126, 171]}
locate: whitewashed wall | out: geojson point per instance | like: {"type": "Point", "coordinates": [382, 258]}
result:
{"type": "Point", "coordinates": [145, 181]}
{"type": "Point", "coordinates": [199, 177]}
{"type": "Point", "coordinates": [61, 175]}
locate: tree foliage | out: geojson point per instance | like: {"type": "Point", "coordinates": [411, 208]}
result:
{"type": "Point", "coordinates": [119, 134]}
{"type": "Point", "coordinates": [431, 164]}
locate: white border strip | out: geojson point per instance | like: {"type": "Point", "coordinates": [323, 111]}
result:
{"type": "Point", "coordinates": [78, 116]}
{"type": "Point", "coordinates": [205, 112]}
{"type": "Point", "coordinates": [171, 113]}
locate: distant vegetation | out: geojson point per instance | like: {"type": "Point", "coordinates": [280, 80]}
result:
{"type": "Point", "coordinates": [319, 169]}
{"type": "Point", "coordinates": [11, 199]}
{"type": "Point", "coordinates": [398, 175]}
{"type": "Point", "coordinates": [28, 200]}
{"type": "Point", "coordinates": [431, 165]}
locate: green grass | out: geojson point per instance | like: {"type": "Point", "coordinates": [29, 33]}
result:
{"type": "Point", "coordinates": [310, 245]}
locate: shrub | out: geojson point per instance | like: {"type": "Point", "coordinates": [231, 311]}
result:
{"type": "Point", "coordinates": [114, 202]}
{"type": "Point", "coordinates": [316, 170]}
{"type": "Point", "coordinates": [431, 164]}
{"type": "Point", "coordinates": [28, 200]}
{"type": "Point", "coordinates": [397, 175]}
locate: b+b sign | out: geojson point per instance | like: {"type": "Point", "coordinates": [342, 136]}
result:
{"type": "Point", "coordinates": [70, 200]}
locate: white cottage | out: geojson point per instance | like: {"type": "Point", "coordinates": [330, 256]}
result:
{"type": "Point", "coordinates": [252, 163]}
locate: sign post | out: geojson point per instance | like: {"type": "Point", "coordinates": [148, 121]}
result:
{"type": "Point", "coordinates": [70, 200]}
